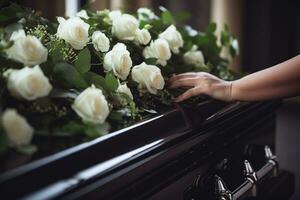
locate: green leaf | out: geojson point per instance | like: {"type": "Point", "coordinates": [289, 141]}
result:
{"type": "Point", "coordinates": [97, 130]}
{"type": "Point", "coordinates": [67, 75]}
{"type": "Point", "coordinates": [211, 28]}
{"type": "Point", "coordinates": [151, 61]}
{"type": "Point", "coordinates": [10, 12]}
{"type": "Point", "coordinates": [111, 81]}
{"type": "Point", "coordinates": [97, 80]}
{"type": "Point", "coordinates": [167, 17]}
{"type": "Point", "coordinates": [70, 129]}
{"type": "Point", "coordinates": [225, 38]}
{"type": "Point", "coordinates": [83, 62]}
{"type": "Point", "coordinates": [116, 116]}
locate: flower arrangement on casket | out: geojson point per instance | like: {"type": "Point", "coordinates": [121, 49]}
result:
{"type": "Point", "coordinates": [96, 72]}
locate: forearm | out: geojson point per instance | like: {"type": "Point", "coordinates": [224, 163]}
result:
{"type": "Point", "coordinates": [282, 80]}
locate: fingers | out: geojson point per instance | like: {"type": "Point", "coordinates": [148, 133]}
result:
{"type": "Point", "coordinates": [189, 93]}
{"type": "Point", "coordinates": [185, 82]}
{"type": "Point", "coordinates": [180, 76]}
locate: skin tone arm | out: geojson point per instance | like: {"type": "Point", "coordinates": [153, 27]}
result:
{"type": "Point", "coordinates": [279, 81]}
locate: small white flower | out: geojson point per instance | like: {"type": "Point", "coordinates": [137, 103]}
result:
{"type": "Point", "coordinates": [115, 14]}
{"type": "Point", "coordinates": [194, 57]}
{"type": "Point", "coordinates": [118, 60]}
{"type": "Point", "coordinates": [83, 14]}
{"type": "Point", "coordinates": [145, 14]}
{"type": "Point", "coordinates": [18, 130]}
{"type": "Point", "coordinates": [26, 49]}
{"type": "Point", "coordinates": [125, 27]}
{"type": "Point", "coordinates": [28, 83]}
{"type": "Point", "coordinates": [100, 41]}
{"type": "Point", "coordinates": [123, 88]}
{"type": "Point", "coordinates": [74, 31]}
{"type": "Point", "coordinates": [225, 53]}
{"type": "Point", "coordinates": [149, 78]}
{"type": "Point", "coordinates": [158, 49]}
{"type": "Point", "coordinates": [91, 105]}
{"type": "Point", "coordinates": [142, 36]}
{"type": "Point", "coordinates": [173, 37]}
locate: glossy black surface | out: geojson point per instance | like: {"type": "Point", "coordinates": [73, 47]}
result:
{"type": "Point", "coordinates": [143, 160]}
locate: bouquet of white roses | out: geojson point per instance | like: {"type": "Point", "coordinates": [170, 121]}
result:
{"type": "Point", "coordinates": [95, 72]}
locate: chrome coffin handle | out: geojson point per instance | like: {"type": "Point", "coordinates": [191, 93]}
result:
{"type": "Point", "coordinates": [221, 189]}
{"type": "Point", "coordinates": [271, 165]}
{"type": "Point", "coordinates": [246, 189]}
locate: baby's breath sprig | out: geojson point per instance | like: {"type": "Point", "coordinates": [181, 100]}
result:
{"type": "Point", "coordinates": [39, 31]}
{"type": "Point", "coordinates": [59, 111]}
{"type": "Point", "coordinates": [60, 48]}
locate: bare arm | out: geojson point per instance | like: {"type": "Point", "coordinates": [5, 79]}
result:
{"type": "Point", "coordinates": [282, 80]}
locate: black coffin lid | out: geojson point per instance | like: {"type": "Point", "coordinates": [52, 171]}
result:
{"type": "Point", "coordinates": [64, 164]}
{"type": "Point", "coordinates": [103, 158]}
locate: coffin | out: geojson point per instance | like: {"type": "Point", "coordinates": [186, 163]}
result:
{"type": "Point", "coordinates": [213, 150]}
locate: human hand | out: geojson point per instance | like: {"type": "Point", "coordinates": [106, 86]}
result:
{"type": "Point", "coordinates": [201, 83]}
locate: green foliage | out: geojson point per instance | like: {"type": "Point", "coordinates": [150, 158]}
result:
{"type": "Point", "coordinates": [70, 129]}
{"type": "Point", "coordinates": [68, 76]}
{"type": "Point", "coordinates": [59, 51]}
{"type": "Point", "coordinates": [211, 28]}
{"type": "Point", "coordinates": [11, 13]}
{"type": "Point", "coordinates": [166, 16]}
{"type": "Point", "coordinates": [83, 62]}
{"type": "Point", "coordinates": [97, 80]}
{"type": "Point", "coordinates": [151, 61]}
{"type": "Point", "coordinates": [96, 130]}
{"type": "Point", "coordinates": [111, 82]}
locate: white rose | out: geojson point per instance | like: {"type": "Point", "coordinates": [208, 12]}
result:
{"type": "Point", "coordinates": [225, 53]}
{"type": "Point", "coordinates": [149, 77]}
{"type": "Point", "coordinates": [115, 14]}
{"type": "Point", "coordinates": [145, 14]}
{"type": "Point", "coordinates": [28, 83]}
{"type": "Point", "coordinates": [173, 37]}
{"type": "Point", "coordinates": [158, 49]}
{"type": "Point", "coordinates": [125, 26]}
{"type": "Point", "coordinates": [194, 57]}
{"type": "Point", "coordinates": [100, 41]}
{"type": "Point", "coordinates": [74, 31]}
{"type": "Point", "coordinates": [83, 14]}
{"type": "Point", "coordinates": [26, 49]}
{"type": "Point", "coordinates": [118, 60]}
{"type": "Point", "coordinates": [18, 131]}
{"type": "Point", "coordinates": [91, 105]}
{"type": "Point", "coordinates": [123, 88]}
{"type": "Point", "coordinates": [142, 36]}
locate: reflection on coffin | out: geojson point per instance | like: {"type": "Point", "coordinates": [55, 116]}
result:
{"type": "Point", "coordinates": [212, 151]}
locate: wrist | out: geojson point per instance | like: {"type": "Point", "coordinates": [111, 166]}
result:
{"type": "Point", "coordinates": [234, 91]}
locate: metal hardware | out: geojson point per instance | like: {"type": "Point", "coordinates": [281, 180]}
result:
{"type": "Point", "coordinates": [221, 190]}
{"type": "Point", "coordinates": [268, 154]}
{"type": "Point", "coordinates": [270, 166]}
{"type": "Point", "coordinates": [249, 172]}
